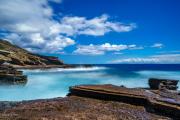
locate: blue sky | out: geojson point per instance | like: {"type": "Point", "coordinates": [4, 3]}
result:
{"type": "Point", "coordinates": [95, 31]}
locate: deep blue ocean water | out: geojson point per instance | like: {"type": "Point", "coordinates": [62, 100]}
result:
{"type": "Point", "coordinates": [56, 82]}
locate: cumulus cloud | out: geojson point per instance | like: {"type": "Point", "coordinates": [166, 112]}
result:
{"type": "Point", "coordinates": [97, 26]}
{"type": "Point", "coordinates": [25, 15]}
{"type": "Point", "coordinates": [101, 49]}
{"type": "Point", "coordinates": [157, 45]}
{"type": "Point", "coordinates": [163, 58]}
{"type": "Point", "coordinates": [30, 24]}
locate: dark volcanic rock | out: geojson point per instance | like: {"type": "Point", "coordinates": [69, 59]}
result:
{"type": "Point", "coordinates": [161, 102]}
{"type": "Point", "coordinates": [9, 75]}
{"type": "Point", "coordinates": [155, 83]}
{"type": "Point", "coordinates": [81, 105]}
{"type": "Point", "coordinates": [76, 108]}
{"type": "Point", "coordinates": [7, 105]}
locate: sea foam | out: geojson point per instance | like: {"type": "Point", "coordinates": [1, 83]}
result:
{"type": "Point", "coordinates": [77, 69]}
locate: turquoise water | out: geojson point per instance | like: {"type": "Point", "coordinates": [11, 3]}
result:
{"type": "Point", "coordinates": [55, 82]}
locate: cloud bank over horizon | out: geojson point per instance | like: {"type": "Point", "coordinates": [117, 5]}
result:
{"type": "Point", "coordinates": [154, 59]}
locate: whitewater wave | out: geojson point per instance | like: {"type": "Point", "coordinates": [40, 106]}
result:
{"type": "Point", "coordinates": [77, 69]}
{"type": "Point", "coordinates": [160, 74]}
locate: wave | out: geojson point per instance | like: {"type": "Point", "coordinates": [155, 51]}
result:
{"type": "Point", "coordinates": [160, 74]}
{"type": "Point", "coordinates": [77, 69]}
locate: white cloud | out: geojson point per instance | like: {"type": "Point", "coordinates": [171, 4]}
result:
{"type": "Point", "coordinates": [136, 60]}
{"type": "Point", "coordinates": [101, 49]}
{"type": "Point", "coordinates": [86, 51]}
{"type": "Point", "coordinates": [30, 24]}
{"type": "Point", "coordinates": [37, 38]}
{"type": "Point", "coordinates": [157, 45]}
{"type": "Point", "coordinates": [164, 58]}
{"type": "Point", "coordinates": [25, 15]}
{"type": "Point", "coordinates": [58, 44]}
{"type": "Point", "coordinates": [97, 26]}
{"type": "Point", "coordinates": [109, 47]}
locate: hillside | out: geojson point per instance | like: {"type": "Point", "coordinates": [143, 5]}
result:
{"type": "Point", "coordinates": [15, 55]}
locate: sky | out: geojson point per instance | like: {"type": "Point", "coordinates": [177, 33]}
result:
{"type": "Point", "coordinates": [95, 31]}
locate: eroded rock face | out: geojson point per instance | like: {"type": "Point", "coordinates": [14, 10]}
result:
{"type": "Point", "coordinates": [155, 83]}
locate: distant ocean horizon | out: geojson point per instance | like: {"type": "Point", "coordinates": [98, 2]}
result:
{"type": "Point", "coordinates": [55, 82]}
{"type": "Point", "coordinates": [165, 67]}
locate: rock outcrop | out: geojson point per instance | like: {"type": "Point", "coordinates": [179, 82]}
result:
{"type": "Point", "coordinates": [155, 83]}
{"type": "Point", "coordinates": [99, 102]}
{"type": "Point", "coordinates": [9, 75]}
{"type": "Point", "coordinates": [160, 102]}
{"type": "Point", "coordinates": [103, 102]}
{"type": "Point", "coordinates": [15, 55]}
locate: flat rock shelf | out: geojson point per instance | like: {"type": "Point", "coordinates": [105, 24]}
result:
{"type": "Point", "coordinates": [107, 102]}
{"type": "Point", "coordinates": [162, 102]}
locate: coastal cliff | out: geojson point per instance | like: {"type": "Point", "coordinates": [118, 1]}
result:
{"type": "Point", "coordinates": [17, 56]}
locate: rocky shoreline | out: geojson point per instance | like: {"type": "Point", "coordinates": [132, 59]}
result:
{"type": "Point", "coordinates": [103, 102]}
{"type": "Point", "coordinates": [50, 66]}
{"type": "Point", "coordinates": [163, 102]}
{"type": "Point", "coordinates": [13, 74]}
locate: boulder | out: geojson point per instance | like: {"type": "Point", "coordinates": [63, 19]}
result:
{"type": "Point", "coordinates": [155, 83]}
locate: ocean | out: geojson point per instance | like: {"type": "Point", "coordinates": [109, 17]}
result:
{"type": "Point", "coordinates": [55, 82]}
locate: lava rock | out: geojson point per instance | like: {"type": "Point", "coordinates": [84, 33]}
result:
{"type": "Point", "coordinates": [9, 75]}
{"type": "Point", "coordinates": [155, 83]}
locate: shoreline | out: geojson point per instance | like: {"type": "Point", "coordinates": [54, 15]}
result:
{"type": "Point", "coordinates": [152, 104]}
{"type": "Point", "coordinates": [51, 66]}
{"type": "Point", "coordinates": [42, 66]}
{"type": "Point", "coordinates": [157, 102]}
